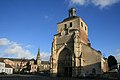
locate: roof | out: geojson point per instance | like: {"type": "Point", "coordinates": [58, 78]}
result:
{"type": "Point", "coordinates": [98, 51]}
{"type": "Point", "coordinates": [16, 59]}
{"type": "Point", "coordinates": [57, 34]}
{"type": "Point", "coordinates": [13, 59]}
{"type": "Point", "coordinates": [2, 59]}
{"type": "Point", "coordinates": [69, 18]}
{"type": "Point", "coordinates": [45, 62]}
{"type": "Point", "coordinates": [32, 59]}
{"type": "Point", "coordinates": [2, 62]}
{"type": "Point", "coordinates": [8, 66]}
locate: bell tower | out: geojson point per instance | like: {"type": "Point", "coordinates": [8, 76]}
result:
{"type": "Point", "coordinates": [38, 57]}
{"type": "Point", "coordinates": [72, 24]}
{"type": "Point", "coordinates": [72, 33]}
{"type": "Point", "coordinates": [72, 12]}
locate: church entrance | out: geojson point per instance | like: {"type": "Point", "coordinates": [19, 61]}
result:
{"type": "Point", "coordinates": [68, 71]}
{"type": "Point", "coordinates": [65, 63]}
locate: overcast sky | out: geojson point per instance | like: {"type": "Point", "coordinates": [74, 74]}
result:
{"type": "Point", "coordinates": [26, 25]}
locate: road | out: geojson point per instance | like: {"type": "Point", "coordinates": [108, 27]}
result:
{"type": "Point", "coordinates": [23, 77]}
{"type": "Point", "coordinates": [33, 77]}
{"type": "Point", "coordinates": [37, 77]}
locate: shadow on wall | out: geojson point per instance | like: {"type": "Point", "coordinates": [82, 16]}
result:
{"type": "Point", "coordinates": [65, 63]}
{"type": "Point", "coordinates": [67, 70]}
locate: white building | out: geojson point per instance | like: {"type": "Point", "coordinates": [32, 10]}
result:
{"type": "Point", "coordinates": [6, 68]}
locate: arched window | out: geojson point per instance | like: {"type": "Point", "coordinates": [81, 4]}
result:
{"type": "Point", "coordinates": [82, 24]}
{"type": "Point", "coordinates": [70, 24]}
{"type": "Point", "coordinates": [85, 28]}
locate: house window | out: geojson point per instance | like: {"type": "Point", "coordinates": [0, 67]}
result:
{"type": "Point", "coordinates": [9, 70]}
{"type": "Point", "coordinates": [70, 24]}
{"type": "Point", "coordinates": [85, 28]}
{"type": "Point", "coordinates": [66, 31]}
{"type": "Point", "coordinates": [35, 67]}
{"type": "Point", "coordinates": [81, 24]}
{"type": "Point", "coordinates": [2, 70]}
{"type": "Point", "coordinates": [65, 26]}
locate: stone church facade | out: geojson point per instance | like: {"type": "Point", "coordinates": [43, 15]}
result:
{"type": "Point", "coordinates": [72, 54]}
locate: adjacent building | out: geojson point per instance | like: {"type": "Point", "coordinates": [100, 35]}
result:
{"type": "Point", "coordinates": [16, 64]}
{"type": "Point", "coordinates": [38, 65]}
{"type": "Point", "coordinates": [27, 65]}
{"type": "Point", "coordinates": [72, 54]}
{"type": "Point", "coordinates": [5, 68]}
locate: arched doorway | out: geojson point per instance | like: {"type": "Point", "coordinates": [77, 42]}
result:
{"type": "Point", "coordinates": [65, 63]}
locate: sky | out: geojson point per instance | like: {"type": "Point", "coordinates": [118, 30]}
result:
{"type": "Point", "coordinates": [26, 25]}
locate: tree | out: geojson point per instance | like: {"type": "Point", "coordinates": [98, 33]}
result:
{"type": "Point", "coordinates": [112, 62]}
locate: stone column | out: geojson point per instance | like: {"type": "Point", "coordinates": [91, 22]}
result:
{"type": "Point", "coordinates": [76, 52]}
{"type": "Point", "coordinates": [53, 63]}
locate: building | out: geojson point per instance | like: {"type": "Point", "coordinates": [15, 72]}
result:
{"type": "Point", "coordinates": [38, 65]}
{"type": "Point", "coordinates": [104, 64]}
{"type": "Point", "coordinates": [72, 54]}
{"type": "Point", "coordinates": [33, 68]}
{"type": "Point", "coordinates": [16, 64]}
{"type": "Point", "coordinates": [29, 65]}
{"type": "Point", "coordinates": [5, 68]}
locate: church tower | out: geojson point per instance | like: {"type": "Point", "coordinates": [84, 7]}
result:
{"type": "Point", "coordinates": [38, 58]}
{"type": "Point", "coordinates": [74, 24]}
{"type": "Point", "coordinates": [71, 50]}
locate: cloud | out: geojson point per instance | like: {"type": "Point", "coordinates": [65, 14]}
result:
{"type": "Point", "coordinates": [104, 3]}
{"type": "Point", "coordinates": [117, 56]}
{"type": "Point", "coordinates": [4, 41]}
{"type": "Point", "coordinates": [80, 2]}
{"type": "Point", "coordinates": [45, 56]}
{"type": "Point", "coordinates": [28, 46]}
{"type": "Point", "coordinates": [46, 17]}
{"type": "Point", "coordinates": [99, 3]}
{"type": "Point", "coordinates": [13, 49]}
{"type": "Point", "coordinates": [18, 51]}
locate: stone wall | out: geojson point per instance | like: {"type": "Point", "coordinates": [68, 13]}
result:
{"type": "Point", "coordinates": [91, 59]}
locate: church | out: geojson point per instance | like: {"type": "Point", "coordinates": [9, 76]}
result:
{"type": "Point", "coordinates": [27, 65]}
{"type": "Point", "coordinates": [72, 54]}
{"type": "Point", "coordinates": [37, 65]}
